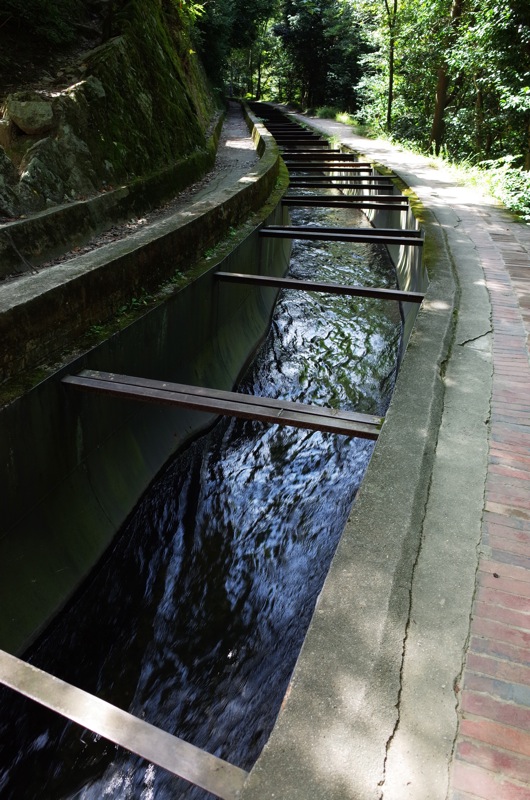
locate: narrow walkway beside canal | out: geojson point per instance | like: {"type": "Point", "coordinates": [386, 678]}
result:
{"type": "Point", "coordinates": [448, 716]}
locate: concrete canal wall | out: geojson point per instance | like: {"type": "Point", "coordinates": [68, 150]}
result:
{"type": "Point", "coordinates": [74, 466]}
{"type": "Point", "coordinates": [77, 464]}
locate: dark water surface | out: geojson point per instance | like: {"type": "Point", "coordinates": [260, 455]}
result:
{"type": "Point", "coordinates": [195, 619]}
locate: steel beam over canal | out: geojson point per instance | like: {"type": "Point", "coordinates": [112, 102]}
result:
{"type": "Point", "coordinates": [328, 288]}
{"type": "Point", "coordinates": [231, 404]}
{"type": "Point", "coordinates": [177, 756]}
{"type": "Point", "coordinates": [363, 235]}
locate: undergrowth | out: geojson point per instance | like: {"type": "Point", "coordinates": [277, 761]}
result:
{"type": "Point", "coordinates": [501, 178]}
{"type": "Point", "coordinates": [509, 184]}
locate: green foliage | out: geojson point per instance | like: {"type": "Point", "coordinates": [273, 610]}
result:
{"type": "Point", "coordinates": [393, 64]}
{"type": "Point", "coordinates": [492, 58]}
{"type": "Point", "coordinates": [327, 112]}
{"type": "Point", "coordinates": [301, 51]}
{"type": "Point", "coordinates": [229, 26]}
{"type": "Point", "coordinates": [322, 47]}
{"type": "Point", "coordinates": [213, 37]}
{"type": "Point", "coordinates": [388, 63]}
{"type": "Point", "coordinates": [461, 75]}
{"type": "Point", "coordinates": [509, 184]}
{"type": "Point", "coordinates": [51, 21]}
{"type": "Point", "coordinates": [193, 10]}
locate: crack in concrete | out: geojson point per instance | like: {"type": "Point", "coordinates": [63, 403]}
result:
{"type": "Point", "coordinates": [476, 338]}
{"type": "Point", "coordinates": [395, 729]}
{"type": "Point", "coordinates": [457, 683]}
{"type": "Point", "coordinates": [443, 390]}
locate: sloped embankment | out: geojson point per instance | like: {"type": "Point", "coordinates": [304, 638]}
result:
{"type": "Point", "coordinates": [136, 106]}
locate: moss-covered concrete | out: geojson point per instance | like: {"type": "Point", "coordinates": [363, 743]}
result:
{"type": "Point", "coordinates": [26, 243]}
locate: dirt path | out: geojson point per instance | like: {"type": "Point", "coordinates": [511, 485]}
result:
{"type": "Point", "coordinates": [236, 155]}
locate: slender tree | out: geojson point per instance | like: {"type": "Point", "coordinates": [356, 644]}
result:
{"type": "Point", "coordinates": [443, 79]}
{"type": "Point", "coordinates": [381, 24]}
{"type": "Point", "coordinates": [391, 9]}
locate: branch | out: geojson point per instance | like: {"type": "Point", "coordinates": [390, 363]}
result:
{"type": "Point", "coordinates": [458, 85]}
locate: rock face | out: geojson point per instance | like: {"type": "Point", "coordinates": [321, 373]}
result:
{"type": "Point", "coordinates": [8, 181]}
{"type": "Point", "coordinates": [30, 112]}
{"type": "Point", "coordinates": [140, 104]}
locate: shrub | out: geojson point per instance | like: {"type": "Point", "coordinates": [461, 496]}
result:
{"type": "Point", "coordinates": [511, 185]}
{"type": "Point", "coordinates": [53, 22]}
{"type": "Point", "coordinates": [327, 112]}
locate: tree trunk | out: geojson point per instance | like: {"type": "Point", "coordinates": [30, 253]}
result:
{"type": "Point", "coordinates": [442, 88]}
{"type": "Point", "coordinates": [258, 79]}
{"type": "Point", "coordinates": [527, 151]}
{"type": "Point", "coordinates": [437, 130]}
{"type": "Point", "coordinates": [250, 79]}
{"type": "Point", "coordinates": [391, 14]}
{"type": "Point", "coordinates": [390, 86]}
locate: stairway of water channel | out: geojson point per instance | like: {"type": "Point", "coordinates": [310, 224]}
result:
{"type": "Point", "coordinates": [196, 617]}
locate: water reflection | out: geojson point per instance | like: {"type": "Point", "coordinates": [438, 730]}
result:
{"type": "Point", "coordinates": [196, 618]}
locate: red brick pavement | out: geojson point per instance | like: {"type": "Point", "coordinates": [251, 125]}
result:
{"type": "Point", "coordinates": [492, 752]}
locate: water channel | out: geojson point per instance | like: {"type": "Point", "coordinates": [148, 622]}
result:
{"type": "Point", "coordinates": [196, 616]}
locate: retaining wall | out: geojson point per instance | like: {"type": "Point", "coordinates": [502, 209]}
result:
{"type": "Point", "coordinates": [74, 466]}
{"type": "Point", "coordinates": [40, 315]}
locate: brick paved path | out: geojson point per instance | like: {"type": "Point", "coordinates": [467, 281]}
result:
{"type": "Point", "coordinates": [492, 755]}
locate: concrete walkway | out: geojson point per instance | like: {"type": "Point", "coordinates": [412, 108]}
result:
{"type": "Point", "coordinates": [414, 680]}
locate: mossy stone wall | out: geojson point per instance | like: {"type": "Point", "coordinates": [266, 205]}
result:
{"type": "Point", "coordinates": [141, 103]}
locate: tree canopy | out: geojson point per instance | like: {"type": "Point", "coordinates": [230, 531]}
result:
{"type": "Point", "coordinates": [450, 76]}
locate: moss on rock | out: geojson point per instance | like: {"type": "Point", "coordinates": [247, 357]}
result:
{"type": "Point", "coordinates": [141, 104]}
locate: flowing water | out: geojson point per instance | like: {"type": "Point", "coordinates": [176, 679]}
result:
{"type": "Point", "coordinates": [196, 617]}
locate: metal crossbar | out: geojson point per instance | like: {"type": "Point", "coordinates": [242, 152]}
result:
{"type": "Point", "coordinates": [338, 201]}
{"type": "Point", "coordinates": [232, 404]}
{"type": "Point", "coordinates": [285, 126]}
{"type": "Point", "coordinates": [286, 152]}
{"type": "Point", "coordinates": [347, 158]}
{"type": "Point", "coordinates": [340, 235]}
{"type": "Point", "coordinates": [322, 179]}
{"type": "Point", "coordinates": [387, 198]}
{"type": "Point", "coordinates": [334, 184]}
{"type": "Point", "coordinates": [412, 233]}
{"type": "Point", "coordinates": [328, 167]}
{"type": "Point", "coordinates": [177, 756]}
{"type": "Point", "coordinates": [316, 286]}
